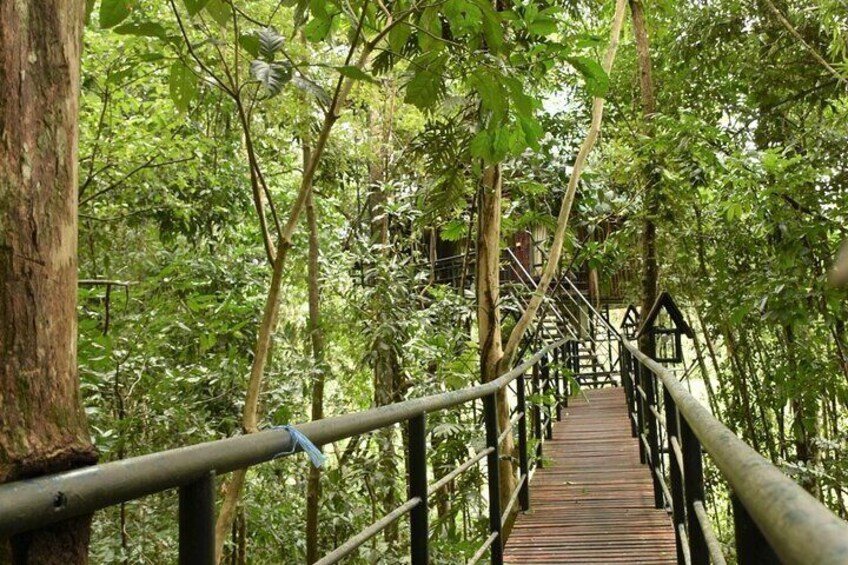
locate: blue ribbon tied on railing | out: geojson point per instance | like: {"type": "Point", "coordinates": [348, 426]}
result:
{"type": "Point", "coordinates": [299, 440]}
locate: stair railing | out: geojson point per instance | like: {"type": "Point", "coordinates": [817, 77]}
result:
{"type": "Point", "coordinates": [775, 520]}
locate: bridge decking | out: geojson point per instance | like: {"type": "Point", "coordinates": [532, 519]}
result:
{"type": "Point", "coordinates": [593, 502]}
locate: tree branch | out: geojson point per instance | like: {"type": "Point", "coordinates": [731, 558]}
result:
{"type": "Point", "coordinates": [568, 199]}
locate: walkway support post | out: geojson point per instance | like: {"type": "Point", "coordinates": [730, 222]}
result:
{"type": "Point", "coordinates": [493, 460]}
{"type": "Point", "coordinates": [649, 385]}
{"type": "Point", "coordinates": [641, 408]}
{"type": "Point", "coordinates": [537, 418]}
{"type": "Point", "coordinates": [675, 460]}
{"type": "Point", "coordinates": [751, 546]}
{"type": "Point", "coordinates": [566, 379]}
{"type": "Point", "coordinates": [546, 383]}
{"type": "Point", "coordinates": [629, 389]}
{"type": "Point", "coordinates": [524, 494]}
{"type": "Point", "coordinates": [558, 382]}
{"type": "Point", "coordinates": [197, 521]}
{"type": "Point", "coordinates": [417, 485]}
{"type": "Point", "coordinates": [693, 480]}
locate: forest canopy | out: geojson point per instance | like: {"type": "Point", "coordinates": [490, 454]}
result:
{"type": "Point", "coordinates": [269, 194]}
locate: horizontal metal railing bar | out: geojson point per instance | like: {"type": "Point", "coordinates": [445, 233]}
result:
{"type": "Point", "coordinates": [513, 497]}
{"type": "Point", "coordinates": [459, 470]}
{"type": "Point", "coordinates": [797, 526]}
{"type": "Point", "coordinates": [647, 446]}
{"type": "Point", "coordinates": [684, 542]}
{"type": "Point", "coordinates": [642, 393]}
{"type": "Point", "coordinates": [509, 428]}
{"type": "Point", "coordinates": [660, 418]}
{"type": "Point", "coordinates": [483, 548]}
{"type": "Point", "coordinates": [678, 453]}
{"type": "Point", "coordinates": [29, 504]}
{"type": "Point", "coordinates": [664, 488]}
{"type": "Point", "coordinates": [713, 545]}
{"type": "Point", "coordinates": [353, 543]}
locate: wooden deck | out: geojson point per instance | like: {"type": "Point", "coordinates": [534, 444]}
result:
{"type": "Point", "coordinates": [593, 502]}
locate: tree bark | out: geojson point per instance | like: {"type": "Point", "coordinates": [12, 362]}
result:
{"type": "Point", "coordinates": [492, 360]}
{"type": "Point", "coordinates": [43, 427]}
{"type": "Point", "coordinates": [650, 270]}
{"type": "Point", "coordinates": [386, 366]}
{"type": "Point", "coordinates": [316, 338]}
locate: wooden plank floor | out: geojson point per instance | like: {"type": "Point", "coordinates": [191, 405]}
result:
{"type": "Point", "coordinates": [593, 502]}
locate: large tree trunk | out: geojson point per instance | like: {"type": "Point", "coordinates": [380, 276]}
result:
{"type": "Point", "coordinates": [386, 365]}
{"type": "Point", "coordinates": [650, 271]}
{"type": "Point", "coordinates": [43, 427]}
{"type": "Point", "coordinates": [316, 338]}
{"type": "Point", "coordinates": [488, 312]}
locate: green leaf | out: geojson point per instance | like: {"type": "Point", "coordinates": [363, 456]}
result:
{"type": "Point", "coordinates": [354, 72]}
{"type": "Point", "coordinates": [430, 34]}
{"type": "Point", "coordinates": [426, 88]}
{"type": "Point", "coordinates": [272, 76]}
{"type": "Point", "coordinates": [481, 147]}
{"type": "Point", "coordinates": [220, 11]}
{"type": "Point", "coordinates": [182, 85]}
{"type": "Point", "coordinates": [194, 6]}
{"type": "Point", "coordinates": [113, 12]}
{"type": "Point", "coordinates": [739, 314]}
{"type": "Point", "coordinates": [312, 88]}
{"type": "Point", "coordinates": [464, 17]}
{"type": "Point", "coordinates": [89, 8]}
{"type": "Point", "coordinates": [597, 80]}
{"type": "Point", "coordinates": [146, 29]}
{"type": "Point", "coordinates": [318, 28]}
{"type": "Point", "coordinates": [492, 30]}
{"type": "Point", "coordinates": [398, 36]}
{"type": "Point", "coordinates": [270, 42]}
{"type": "Point", "coordinates": [492, 93]}
{"type": "Point", "coordinates": [454, 230]}
{"type": "Point", "coordinates": [542, 26]}
{"type": "Point", "coordinates": [533, 131]}
{"type": "Point", "coordinates": [249, 43]}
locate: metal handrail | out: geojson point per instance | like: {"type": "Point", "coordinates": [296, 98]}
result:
{"type": "Point", "coordinates": [35, 503]}
{"type": "Point", "coordinates": [799, 528]}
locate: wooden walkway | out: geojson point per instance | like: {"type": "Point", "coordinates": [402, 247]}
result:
{"type": "Point", "coordinates": [593, 502]}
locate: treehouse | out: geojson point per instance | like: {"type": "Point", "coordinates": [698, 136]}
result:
{"type": "Point", "coordinates": [523, 262]}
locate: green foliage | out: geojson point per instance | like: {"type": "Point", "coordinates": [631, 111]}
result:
{"type": "Point", "coordinates": [746, 151]}
{"type": "Point", "coordinates": [113, 12]}
{"type": "Point", "coordinates": [183, 85]}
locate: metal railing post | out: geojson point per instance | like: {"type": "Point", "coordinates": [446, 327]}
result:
{"type": "Point", "coordinates": [629, 389]}
{"type": "Point", "coordinates": [524, 494]}
{"type": "Point", "coordinates": [566, 382]}
{"type": "Point", "coordinates": [649, 386]}
{"type": "Point", "coordinates": [693, 481]}
{"type": "Point", "coordinates": [641, 408]}
{"type": "Point", "coordinates": [606, 316]}
{"type": "Point", "coordinates": [546, 383]}
{"type": "Point", "coordinates": [751, 546]}
{"type": "Point", "coordinates": [417, 485]}
{"type": "Point", "coordinates": [675, 473]}
{"type": "Point", "coordinates": [558, 382]}
{"type": "Point", "coordinates": [493, 461]}
{"type": "Point", "coordinates": [537, 418]}
{"type": "Point", "coordinates": [197, 521]}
